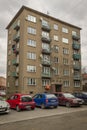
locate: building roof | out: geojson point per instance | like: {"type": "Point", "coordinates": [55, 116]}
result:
{"type": "Point", "coordinates": [29, 9]}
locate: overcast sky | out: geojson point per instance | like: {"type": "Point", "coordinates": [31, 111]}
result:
{"type": "Point", "coordinates": [74, 12]}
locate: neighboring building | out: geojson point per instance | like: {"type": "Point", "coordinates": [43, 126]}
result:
{"type": "Point", "coordinates": [2, 84]}
{"type": "Point", "coordinates": [84, 82]}
{"type": "Point", "coordinates": [42, 50]}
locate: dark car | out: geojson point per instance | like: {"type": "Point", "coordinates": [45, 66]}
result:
{"type": "Point", "coordinates": [81, 95]}
{"type": "Point", "coordinates": [45, 100]}
{"type": "Point", "coordinates": [68, 99]}
{"type": "Point", "coordinates": [21, 101]}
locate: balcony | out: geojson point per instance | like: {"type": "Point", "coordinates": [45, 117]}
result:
{"type": "Point", "coordinates": [76, 56]}
{"type": "Point", "coordinates": [46, 27]}
{"type": "Point", "coordinates": [76, 46]}
{"type": "Point", "coordinates": [77, 77]}
{"type": "Point", "coordinates": [15, 62]}
{"type": "Point", "coordinates": [15, 74]}
{"type": "Point", "coordinates": [45, 75]}
{"type": "Point", "coordinates": [76, 37]}
{"type": "Point", "coordinates": [46, 51]}
{"type": "Point", "coordinates": [46, 39]}
{"type": "Point", "coordinates": [77, 67]}
{"type": "Point", "coordinates": [16, 37]}
{"type": "Point", "coordinates": [17, 26]}
{"type": "Point", "coordinates": [46, 63]}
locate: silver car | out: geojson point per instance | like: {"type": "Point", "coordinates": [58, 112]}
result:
{"type": "Point", "coordinates": [4, 106]}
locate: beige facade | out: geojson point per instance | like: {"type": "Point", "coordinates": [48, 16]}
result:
{"type": "Point", "coordinates": [42, 50]}
{"type": "Point", "coordinates": [2, 83]}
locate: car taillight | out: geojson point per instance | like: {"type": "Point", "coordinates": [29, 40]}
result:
{"type": "Point", "coordinates": [46, 100]}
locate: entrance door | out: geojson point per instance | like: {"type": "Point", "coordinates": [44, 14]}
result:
{"type": "Point", "coordinates": [58, 87]}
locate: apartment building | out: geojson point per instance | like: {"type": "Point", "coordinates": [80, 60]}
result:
{"type": "Point", "coordinates": [42, 51]}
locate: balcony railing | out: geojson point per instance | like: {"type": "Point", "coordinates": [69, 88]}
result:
{"type": "Point", "coordinates": [46, 51]}
{"type": "Point", "coordinates": [44, 75]}
{"type": "Point", "coordinates": [15, 74]}
{"type": "Point", "coordinates": [77, 77]}
{"type": "Point", "coordinates": [76, 37]}
{"type": "Point", "coordinates": [76, 46]}
{"type": "Point", "coordinates": [16, 37]}
{"type": "Point", "coordinates": [15, 62]}
{"type": "Point", "coordinates": [46, 27]}
{"type": "Point", "coordinates": [76, 56]}
{"type": "Point", "coordinates": [47, 63]}
{"type": "Point", "coordinates": [17, 26]}
{"type": "Point", "coordinates": [77, 67]}
{"type": "Point", "coordinates": [46, 39]}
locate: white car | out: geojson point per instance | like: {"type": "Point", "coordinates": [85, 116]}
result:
{"type": "Point", "coordinates": [4, 106]}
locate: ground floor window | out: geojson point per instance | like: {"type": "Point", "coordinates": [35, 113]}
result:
{"type": "Point", "coordinates": [76, 83]}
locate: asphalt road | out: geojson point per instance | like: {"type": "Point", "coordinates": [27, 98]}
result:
{"type": "Point", "coordinates": [68, 121]}
{"type": "Point", "coordinates": [62, 118]}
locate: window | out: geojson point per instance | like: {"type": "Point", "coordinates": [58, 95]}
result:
{"type": "Point", "coordinates": [9, 62]}
{"type": "Point", "coordinates": [56, 59]}
{"type": "Point", "coordinates": [45, 34]}
{"type": "Point", "coordinates": [65, 51]}
{"type": "Point", "coordinates": [65, 40]}
{"type": "Point", "coordinates": [45, 82]}
{"type": "Point", "coordinates": [46, 70]}
{"type": "Point", "coordinates": [31, 43]}
{"type": "Point", "coordinates": [56, 48]}
{"type": "Point", "coordinates": [44, 22]}
{"type": "Point", "coordinates": [31, 55]}
{"type": "Point", "coordinates": [65, 61]}
{"type": "Point", "coordinates": [16, 82]}
{"type": "Point", "coordinates": [31, 68]}
{"type": "Point", "coordinates": [76, 84]}
{"type": "Point", "coordinates": [66, 72]}
{"type": "Point", "coordinates": [74, 33]}
{"type": "Point", "coordinates": [31, 30]}
{"type": "Point", "coordinates": [31, 81]}
{"type": "Point", "coordinates": [55, 37]}
{"type": "Point", "coordinates": [55, 26]}
{"type": "Point", "coordinates": [65, 30]}
{"type": "Point", "coordinates": [56, 71]}
{"type": "Point", "coordinates": [46, 46]}
{"type": "Point", "coordinates": [66, 83]}
{"type": "Point", "coordinates": [31, 18]}
{"type": "Point", "coordinates": [46, 58]}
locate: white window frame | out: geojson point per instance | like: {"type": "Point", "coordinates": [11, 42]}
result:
{"type": "Point", "coordinates": [66, 83]}
{"type": "Point", "coordinates": [31, 18]}
{"type": "Point", "coordinates": [76, 84]}
{"type": "Point", "coordinates": [65, 51]}
{"type": "Point", "coordinates": [31, 43]}
{"type": "Point", "coordinates": [45, 82]}
{"type": "Point", "coordinates": [55, 38]}
{"type": "Point", "coordinates": [55, 27]}
{"type": "Point", "coordinates": [31, 81]}
{"type": "Point", "coordinates": [31, 30]}
{"type": "Point", "coordinates": [65, 40]}
{"type": "Point", "coordinates": [64, 30]}
{"type": "Point", "coordinates": [31, 68]}
{"type": "Point", "coordinates": [31, 55]}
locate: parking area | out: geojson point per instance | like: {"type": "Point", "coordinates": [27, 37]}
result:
{"type": "Point", "coordinates": [14, 116]}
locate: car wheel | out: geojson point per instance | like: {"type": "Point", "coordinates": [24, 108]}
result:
{"type": "Point", "coordinates": [55, 106]}
{"type": "Point", "coordinates": [42, 106]}
{"type": "Point", "coordinates": [68, 104]}
{"type": "Point", "coordinates": [17, 108]}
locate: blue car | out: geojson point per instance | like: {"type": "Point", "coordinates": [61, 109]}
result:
{"type": "Point", "coordinates": [81, 95]}
{"type": "Point", "coordinates": [45, 100]}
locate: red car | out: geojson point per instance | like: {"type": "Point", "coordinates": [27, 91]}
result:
{"type": "Point", "coordinates": [68, 99]}
{"type": "Point", "coordinates": [21, 101]}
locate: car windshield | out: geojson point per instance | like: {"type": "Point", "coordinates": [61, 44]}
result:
{"type": "Point", "coordinates": [1, 98]}
{"type": "Point", "coordinates": [26, 99]}
{"type": "Point", "coordinates": [50, 96]}
{"type": "Point", "coordinates": [68, 95]}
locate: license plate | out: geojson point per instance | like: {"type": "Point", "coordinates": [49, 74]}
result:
{"type": "Point", "coordinates": [27, 107]}
{"type": "Point", "coordinates": [53, 100]}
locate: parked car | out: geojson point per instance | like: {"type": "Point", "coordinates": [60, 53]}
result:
{"type": "Point", "coordinates": [45, 100]}
{"type": "Point", "coordinates": [21, 101]}
{"type": "Point", "coordinates": [4, 106]}
{"type": "Point", "coordinates": [68, 99]}
{"type": "Point", "coordinates": [81, 95]}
